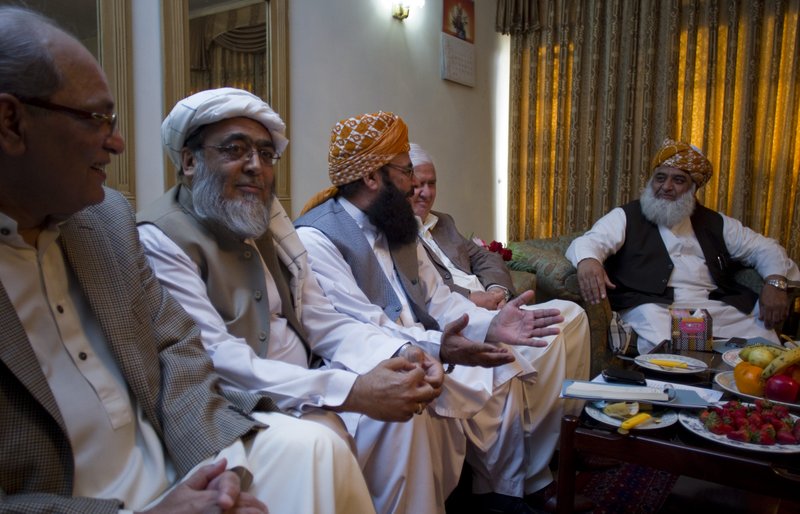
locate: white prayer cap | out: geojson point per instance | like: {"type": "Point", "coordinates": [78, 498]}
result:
{"type": "Point", "coordinates": [418, 155]}
{"type": "Point", "coordinates": [215, 105]}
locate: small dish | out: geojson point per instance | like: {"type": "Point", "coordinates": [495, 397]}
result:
{"type": "Point", "coordinates": [694, 365]}
{"type": "Point", "coordinates": [731, 357]}
{"type": "Point", "coordinates": [668, 417]}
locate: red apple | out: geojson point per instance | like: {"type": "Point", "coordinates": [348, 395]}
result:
{"type": "Point", "coordinates": [781, 388]}
{"type": "Point", "coordinates": [792, 371]}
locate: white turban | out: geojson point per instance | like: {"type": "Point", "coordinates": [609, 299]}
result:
{"type": "Point", "coordinates": [216, 105]}
{"type": "Point", "coordinates": [418, 155]}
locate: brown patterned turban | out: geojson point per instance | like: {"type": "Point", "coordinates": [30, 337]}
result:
{"type": "Point", "coordinates": [360, 145]}
{"type": "Point", "coordinates": [685, 157]}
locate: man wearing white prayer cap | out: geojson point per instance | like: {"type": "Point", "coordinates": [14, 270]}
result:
{"type": "Point", "coordinates": [227, 251]}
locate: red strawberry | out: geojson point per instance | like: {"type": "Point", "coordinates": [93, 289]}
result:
{"type": "Point", "coordinates": [739, 435]}
{"type": "Point", "coordinates": [755, 420]}
{"type": "Point", "coordinates": [785, 437]}
{"type": "Point", "coordinates": [781, 411]}
{"type": "Point", "coordinates": [766, 435]}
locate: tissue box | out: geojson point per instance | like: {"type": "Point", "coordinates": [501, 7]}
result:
{"type": "Point", "coordinates": [691, 329]}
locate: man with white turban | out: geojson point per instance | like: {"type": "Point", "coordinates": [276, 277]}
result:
{"type": "Point", "coordinates": [361, 236]}
{"type": "Point", "coordinates": [222, 244]}
{"type": "Point", "coordinates": [667, 249]}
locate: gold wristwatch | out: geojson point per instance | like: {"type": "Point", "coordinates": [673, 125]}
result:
{"type": "Point", "coordinates": [779, 283]}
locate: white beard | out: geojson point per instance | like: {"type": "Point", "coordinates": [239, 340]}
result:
{"type": "Point", "coordinates": [667, 213]}
{"type": "Point", "coordinates": [247, 217]}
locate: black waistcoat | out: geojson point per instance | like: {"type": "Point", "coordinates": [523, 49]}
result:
{"type": "Point", "coordinates": [642, 267]}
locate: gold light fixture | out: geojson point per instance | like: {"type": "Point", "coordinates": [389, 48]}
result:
{"type": "Point", "coordinates": [401, 10]}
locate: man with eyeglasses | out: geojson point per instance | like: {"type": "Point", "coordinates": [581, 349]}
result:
{"type": "Point", "coordinates": [361, 237]}
{"type": "Point", "coordinates": [108, 400]}
{"type": "Point", "coordinates": [221, 243]}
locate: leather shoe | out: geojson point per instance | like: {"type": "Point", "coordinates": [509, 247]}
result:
{"type": "Point", "coordinates": [545, 499]}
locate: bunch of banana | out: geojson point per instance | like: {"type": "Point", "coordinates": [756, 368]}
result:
{"type": "Point", "coordinates": [781, 362]}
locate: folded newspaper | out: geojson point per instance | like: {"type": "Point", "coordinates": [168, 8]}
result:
{"type": "Point", "coordinates": [655, 392]}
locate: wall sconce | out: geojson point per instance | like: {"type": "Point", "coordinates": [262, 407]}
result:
{"type": "Point", "coordinates": [401, 10]}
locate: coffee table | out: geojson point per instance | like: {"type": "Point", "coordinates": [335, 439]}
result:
{"type": "Point", "coordinates": [676, 450]}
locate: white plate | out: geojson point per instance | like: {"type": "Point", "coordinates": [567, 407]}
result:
{"type": "Point", "coordinates": [668, 417]}
{"type": "Point", "coordinates": [692, 423]}
{"type": "Point", "coordinates": [644, 361]}
{"type": "Point", "coordinates": [731, 357]}
{"type": "Point", "coordinates": [726, 381]}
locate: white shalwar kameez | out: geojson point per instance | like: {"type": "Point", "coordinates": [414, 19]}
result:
{"type": "Point", "coordinates": [690, 276]}
{"type": "Point", "coordinates": [401, 462]}
{"type": "Point", "coordinates": [512, 425]}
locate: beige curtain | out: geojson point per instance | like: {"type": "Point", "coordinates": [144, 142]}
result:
{"type": "Point", "coordinates": [597, 85]}
{"type": "Point", "coordinates": [230, 49]}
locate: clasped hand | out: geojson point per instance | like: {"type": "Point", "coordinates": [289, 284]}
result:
{"type": "Point", "coordinates": [396, 388]}
{"type": "Point", "coordinates": [210, 490]}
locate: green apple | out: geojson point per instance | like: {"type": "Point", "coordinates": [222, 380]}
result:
{"type": "Point", "coordinates": [760, 357]}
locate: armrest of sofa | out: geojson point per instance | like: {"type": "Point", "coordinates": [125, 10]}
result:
{"type": "Point", "coordinates": [557, 278]}
{"type": "Point", "coordinates": [522, 280]}
{"type": "Point", "coordinates": [555, 275]}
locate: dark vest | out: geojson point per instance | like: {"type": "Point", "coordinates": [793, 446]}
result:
{"type": "Point", "coordinates": [642, 267]}
{"type": "Point", "coordinates": [331, 219]}
{"type": "Point", "coordinates": [232, 272]}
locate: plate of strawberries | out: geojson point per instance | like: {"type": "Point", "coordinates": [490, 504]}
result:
{"type": "Point", "coordinates": [761, 426]}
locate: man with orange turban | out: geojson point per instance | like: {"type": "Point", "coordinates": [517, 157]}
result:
{"type": "Point", "coordinates": [682, 253]}
{"type": "Point", "coordinates": [361, 237]}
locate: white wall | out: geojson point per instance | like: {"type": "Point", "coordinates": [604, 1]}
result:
{"type": "Point", "coordinates": [347, 57]}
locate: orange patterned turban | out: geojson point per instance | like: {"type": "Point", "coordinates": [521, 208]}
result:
{"type": "Point", "coordinates": [360, 145]}
{"type": "Point", "coordinates": [685, 157]}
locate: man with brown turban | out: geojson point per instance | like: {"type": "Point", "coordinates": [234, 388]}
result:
{"type": "Point", "coordinates": [361, 237]}
{"type": "Point", "coordinates": [681, 253]}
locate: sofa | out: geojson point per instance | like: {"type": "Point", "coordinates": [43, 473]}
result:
{"type": "Point", "coordinates": [557, 278]}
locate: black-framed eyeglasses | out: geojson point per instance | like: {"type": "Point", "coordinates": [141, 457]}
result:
{"type": "Point", "coordinates": [408, 171]}
{"type": "Point", "coordinates": [111, 119]}
{"type": "Point", "coordinates": [243, 152]}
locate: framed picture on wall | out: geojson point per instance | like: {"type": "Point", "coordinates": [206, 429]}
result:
{"type": "Point", "coordinates": [458, 41]}
{"type": "Point", "coordinates": [458, 19]}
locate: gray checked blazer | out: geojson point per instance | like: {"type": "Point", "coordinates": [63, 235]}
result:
{"type": "Point", "coordinates": [157, 347]}
{"type": "Point", "coordinates": [466, 256]}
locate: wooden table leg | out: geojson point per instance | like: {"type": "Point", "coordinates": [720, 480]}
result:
{"type": "Point", "coordinates": [565, 496]}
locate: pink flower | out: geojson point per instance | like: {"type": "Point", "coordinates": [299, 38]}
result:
{"type": "Point", "coordinates": [478, 241]}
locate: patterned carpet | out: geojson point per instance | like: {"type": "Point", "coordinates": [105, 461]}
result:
{"type": "Point", "coordinates": [622, 489]}
{"type": "Point", "coordinates": [626, 489]}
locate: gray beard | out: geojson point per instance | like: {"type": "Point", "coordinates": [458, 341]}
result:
{"type": "Point", "coordinates": [246, 216]}
{"type": "Point", "coordinates": [667, 213]}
